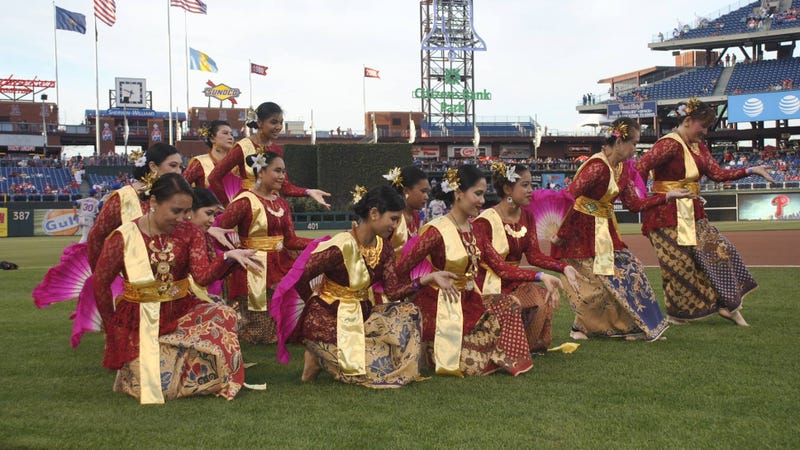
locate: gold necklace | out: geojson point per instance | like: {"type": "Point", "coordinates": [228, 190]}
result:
{"type": "Point", "coordinates": [164, 260]}
{"type": "Point", "coordinates": [474, 253]}
{"type": "Point", "coordinates": [514, 233]}
{"type": "Point", "coordinates": [371, 255]}
{"type": "Point", "coordinates": [277, 213]}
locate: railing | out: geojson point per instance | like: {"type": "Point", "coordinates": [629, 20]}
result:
{"type": "Point", "coordinates": [714, 15]}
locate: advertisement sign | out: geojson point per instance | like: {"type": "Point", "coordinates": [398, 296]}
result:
{"type": "Point", "coordinates": [635, 110]}
{"type": "Point", "coordinates": [555, 181]}
{"type": "Point", "coordinates": [425, 151]}
{"type": "Point", "coordinates": [136, 114]}
{"type": "Point", "coordinates": [54, 222]}
{"type": "Point", "coordinates": [221, 92]}
{"type": "Point", "coordinates": [515, 152]}
{"type": "Point", "coordinates": [574, 150]}
{"type": "Point", "coordinates": [769, 106]}
{"type": "Point", "coordinates": [3, 222]}
{"type": "Point", "coordinates": [463, 151]}
{"type": "Point", "coordinates": [775, 206]}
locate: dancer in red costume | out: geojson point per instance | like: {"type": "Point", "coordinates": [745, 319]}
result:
{"type": "Point", "coordinates": [269, 122]}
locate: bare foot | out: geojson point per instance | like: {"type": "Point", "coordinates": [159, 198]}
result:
{"type": "Point", "coordinates": [735, 317]}
{"type": "Point", "coordinates": [578, 335]}
{"type": "Point", "coordinates": [311, 367]}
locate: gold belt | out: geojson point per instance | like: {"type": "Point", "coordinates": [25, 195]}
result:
{"type": "Point", "coordinates": [331, 291]}
{"type": "Point", "coordinates": [662, 187]}
{"type": "Point", "coordinates": [155, 291]}
{"type": "Point", "coordinates": [265, 244]}
{"type": "Point", "coordinates": [593, 207]}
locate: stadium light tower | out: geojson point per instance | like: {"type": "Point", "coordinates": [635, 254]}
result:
{"type": "Point", "coordinates": [448, 42]}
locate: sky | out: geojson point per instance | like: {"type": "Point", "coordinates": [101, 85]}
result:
{"type": "Point", "coordinates": [541, 57]}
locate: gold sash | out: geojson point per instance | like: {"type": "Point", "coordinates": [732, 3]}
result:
{"type": "Point", "coordinates": [257, 282]}
{"type": "Point", "coordinates": [130, 207]}
{"type": "Point", "coordinates": [350, 337]}
{"type": "Point", "coordinates": [449, 315]}
{"type": "Point", "coordinates": [400, 236]}
{"type": "Point", "coordinates": [602, 210]}
{"type": "Point", "coordinates": [264, 243]}
{"type": "Point", "coordinates": [207, 163]}
{"type": "Point", "coordinates": [200, 292]}
{"type": "Point", "coordinates": [492, 284]}
{"type": "Point", "coordinates": [249, 179]}
{"type": "Point", "coordinates": [687, 234]}
{"type": "Point", "coordinates": [154, 291]}
{"type": "Point", "coordinates": [139, 280]}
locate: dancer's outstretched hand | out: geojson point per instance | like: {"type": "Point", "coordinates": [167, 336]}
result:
{"type": "Point", "coordinates": [319, 196]}
{"type": "Point", "coordinates": [553, 286]}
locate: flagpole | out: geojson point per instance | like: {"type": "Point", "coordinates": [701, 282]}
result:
{"type": "Point", "coordinates": [186, 43]}
{"type": "Point", "coordinates": [169, 46]}
{"type": "Point", "coordinates": [97, 94]}
{"type": "Point", "coordinates": [364, 94]}
{"type": "Point", "coordinates": [250, 77]}
{"type": "Point", "coordinates": [55, 46]}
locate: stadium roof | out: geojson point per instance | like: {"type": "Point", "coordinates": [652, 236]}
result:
{"type": "Point", "coordinates": [731, 40]}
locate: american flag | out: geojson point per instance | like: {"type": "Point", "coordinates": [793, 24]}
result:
{"type": "Point", "coordinates": [192, 6]}
{"type": "Point", "coordinates": [106, 11]}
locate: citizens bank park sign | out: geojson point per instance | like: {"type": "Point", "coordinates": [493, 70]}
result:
{"type": "Point", "coordinates": [449, 98]}
{"type": "Point", "coordinates": [221, 92]}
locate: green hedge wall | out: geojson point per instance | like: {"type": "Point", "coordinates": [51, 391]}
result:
{"type": "Point", "coordinates": [301, 164]}
{"type": "Point", "coordinates": [341, 166]}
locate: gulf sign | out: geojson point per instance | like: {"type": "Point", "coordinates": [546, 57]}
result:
{"type": "Point", "coordinates": [54, 222]}
{"type": "Point", "coordinates": [767, 106]}
{"type": "Point", "coordinates": [221, 92]}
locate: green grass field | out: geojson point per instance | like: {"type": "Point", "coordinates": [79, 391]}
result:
{"type": "Point", "coordinates": [709, 385]}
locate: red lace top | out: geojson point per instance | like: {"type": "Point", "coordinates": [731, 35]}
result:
{"type": "Point", "coordinates": [194, 172]}
{"type": "Point", "coordinates": [107, 221]}
{"type": "Point", "coordinates": [527, 245]}
{"type": "Point", "coordinates": [239, 214]}
{"type": "Point", "coordinates": [330, 262]}
{"type": "Point", "coordinates": [431, 244]}
{"type": "Point", "coordinates": [235, 158]}
{"type": "Point", "coordinates": [122, 326]}
{"type": "Point", "coordinates": [577, 230]}
{"type": "Point", "coordinates": [665, 159]}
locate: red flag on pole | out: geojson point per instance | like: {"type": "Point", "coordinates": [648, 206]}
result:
{"type": "Point", "coordinates": [106, 11]}
{"type": "Point", "coordinates": [192, 6]}
{"type": "Point", "coordinates": [258, 70]}
{"type": "Point", "coordinates": [371, 73]}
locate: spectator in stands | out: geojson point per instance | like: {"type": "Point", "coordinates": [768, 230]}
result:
{"type": "Point", "coordinates": [702, 272]}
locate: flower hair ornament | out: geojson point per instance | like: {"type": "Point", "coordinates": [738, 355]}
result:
{"type": "Point", "coordinates": [688, 107]}
{"type": "Point", "coordinates": [358, 192]}
{"type": "Point", "coordinates": [509, 172]}
{"type": "Point", "coordinates": [148, 180]}
{"type": "Point", "coordinates": [620, 131]}
{"type": "Point", "coordinates": [138, 158]}
{"type": "Point", "coordinates": [204, 132]}
{"type": "Point", "coordinates": [258, 162]}
{"type": "Point", "coordinates": [451, 181]}
{"type": "Point", "coordinates": [394, 177]}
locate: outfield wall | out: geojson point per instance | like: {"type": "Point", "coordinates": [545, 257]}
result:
{"type": "Point", "coordinates": [19, 219]}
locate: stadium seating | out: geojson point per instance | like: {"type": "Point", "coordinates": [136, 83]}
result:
{"type": "Point", "coordinates": [762, 75]}
{"type": "Point", "coordinates": [39, 177]}
{"type": "Point", "coordinates": [698, 82]}
{"type": "Point", "coordinates": [732, 23]}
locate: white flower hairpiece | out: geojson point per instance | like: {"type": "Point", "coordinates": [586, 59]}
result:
{"type": "Point", "coordinates": [511, 174]}
{"type": "Point", "coordinates": [682, 110]}
{"type": "Point", "coordinates": [394, 177]}
{"type": "Point", "coordinates": [446, 186]}
{"type": "Point", "coordinates": [141, 161]}
{"type": "Point", "coordinates": [259, 161]}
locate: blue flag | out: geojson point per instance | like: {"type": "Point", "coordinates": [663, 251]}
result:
{"type": "Point", "coordinates": [70, 21]}
{"type": "Point", "coordinates": [200, 61]}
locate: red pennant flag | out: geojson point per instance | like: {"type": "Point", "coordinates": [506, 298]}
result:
{"type": "Point", "coordinates": [258, 70]}
{"type": "Point", "coordinates": [371, 73]}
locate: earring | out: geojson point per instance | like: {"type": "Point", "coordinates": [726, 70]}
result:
{"type": "Point", "coordinates": [188, 217]}
{"type": "Point", "coordinates": [510, 200]}
{"type": "Point", "coordinates": [152, 209]}
{"type": "Point", "coordinates": [406, 196]}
